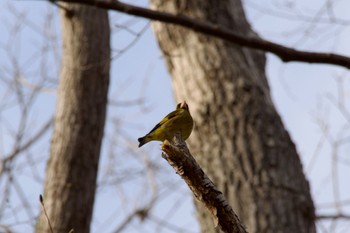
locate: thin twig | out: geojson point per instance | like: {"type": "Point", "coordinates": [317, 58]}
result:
{"type": "Point", "coordinates": [47, 217]}
{"type": "Point", "coordinates": [25, 145]}
{"type": "Point", "coordinates": [333, 216]}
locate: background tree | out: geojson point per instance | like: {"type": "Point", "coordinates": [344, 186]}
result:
{"type": "Point", "coordinates": [138, 181]}
{"type": "Point", "coordinates": [79, 120]}
{"type": "Point", "coordinates": [239, 138]}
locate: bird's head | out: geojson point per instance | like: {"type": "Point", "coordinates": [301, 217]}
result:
{"type": "Point", "coordinates": [182, 105]}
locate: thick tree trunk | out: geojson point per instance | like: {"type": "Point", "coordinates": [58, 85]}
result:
{"type": "Point", "coordinates": [238, 138]}
{"type": "Point", "coordinates": [79, 121]}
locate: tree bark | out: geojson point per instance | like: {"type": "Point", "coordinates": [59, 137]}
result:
{"type": "Point", "coordinates": [238, 138]}
{"type": "Point", "coordinates": [79, 120]}
{"type": "Point", "coordinates": [179, 157]}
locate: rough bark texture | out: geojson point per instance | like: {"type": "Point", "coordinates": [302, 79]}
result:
{"type": "Point", "coordinates": [79, 120]}
{"type": "Point", "coordinates": [180, 158]}
{"type": "Point", "coordinates": [239, 139]}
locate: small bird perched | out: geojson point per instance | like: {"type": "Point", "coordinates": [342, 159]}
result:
{"type": "Point", "coordinates": [178, 121]}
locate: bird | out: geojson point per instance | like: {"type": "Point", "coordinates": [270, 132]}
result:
{"type": "Point", "coordinates": [178, 121]}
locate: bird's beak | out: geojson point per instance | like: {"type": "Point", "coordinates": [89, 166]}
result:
{"type": "Point", "coordinates": [184, 105]}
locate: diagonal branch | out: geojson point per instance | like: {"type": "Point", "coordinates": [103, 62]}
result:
{"type": "Point", "coordinates": [179, 157]}
{"type": "Point", "coordinates": [25, 146]}
{"type": "Point", "coordinates": [286, 54]}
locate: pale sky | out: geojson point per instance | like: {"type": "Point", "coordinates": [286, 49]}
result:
{"type": "Point", "coordinates": [298, 90]}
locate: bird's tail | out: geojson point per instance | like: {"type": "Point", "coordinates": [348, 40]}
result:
{"type": "Point", "coordinates": [143, 141]}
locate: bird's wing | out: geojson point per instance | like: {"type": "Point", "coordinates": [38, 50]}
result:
{"type": "Point", "coordinates": [165, 119]}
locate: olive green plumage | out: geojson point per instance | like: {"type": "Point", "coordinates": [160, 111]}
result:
{"type": "Point", "coordinates": [178, 121]}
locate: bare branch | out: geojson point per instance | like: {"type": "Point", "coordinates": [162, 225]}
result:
{"type": "Point", "coordinates": [179, 157]}
{"type": "Point", "coordinates": [286, 54]}
{"type": "Point", "coordinates": [132, 42]}
{"type": "Point", "coordinates": [25, 145]}
{"type": "Point", "coordinates": [44, 209]}
{"type": "Point", "coordinates": [333, 216]}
